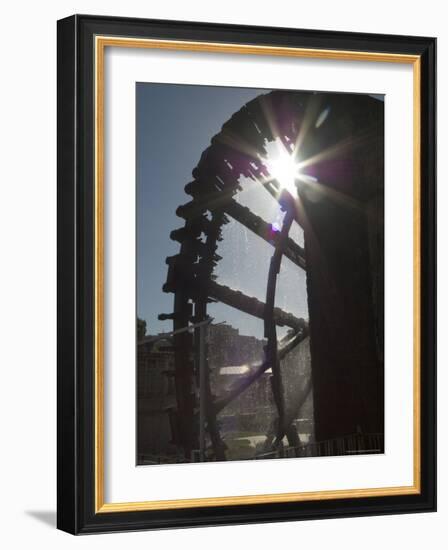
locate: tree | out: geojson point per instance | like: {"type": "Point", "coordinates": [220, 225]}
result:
{"type": "Point", "coordinates": [141, 328]}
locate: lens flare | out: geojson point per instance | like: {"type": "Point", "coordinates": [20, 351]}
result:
{"type": "Point", "coordinates": [283, 167]}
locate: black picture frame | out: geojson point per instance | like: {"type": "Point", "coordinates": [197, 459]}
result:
{"type": "Point", "coordinates": [76, 475]}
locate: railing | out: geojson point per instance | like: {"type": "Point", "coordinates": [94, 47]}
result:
{"type": "Point", "coordinates": [347, 445]}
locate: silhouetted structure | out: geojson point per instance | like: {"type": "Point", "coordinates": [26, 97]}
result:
{"type": "Point", "coordinates": [340, 208]}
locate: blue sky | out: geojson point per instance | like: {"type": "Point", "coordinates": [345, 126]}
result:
{"type": "Point", "coordinates": [174, 124]}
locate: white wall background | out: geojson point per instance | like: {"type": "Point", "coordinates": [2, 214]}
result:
{"type": "Point", "coordinates": [28, 272]}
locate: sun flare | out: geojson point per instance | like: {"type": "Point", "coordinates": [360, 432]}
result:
{"type": "Point", "coordinates": [283, 167]}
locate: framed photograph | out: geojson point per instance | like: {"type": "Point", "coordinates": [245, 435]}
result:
{"type": "Point", "coordinates": [246, 274]}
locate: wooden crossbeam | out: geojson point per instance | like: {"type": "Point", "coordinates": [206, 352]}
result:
{"type": "Point", "coordinates": [257, 225]}
{"type": "Point", "coordinates": [252, 306]}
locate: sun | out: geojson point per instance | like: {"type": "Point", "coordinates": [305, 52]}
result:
{"type": "Point", "coordinates": [283, 167]}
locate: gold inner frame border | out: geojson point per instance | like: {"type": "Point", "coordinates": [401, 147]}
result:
{"type": "Point", "coordinates": [100, 44]}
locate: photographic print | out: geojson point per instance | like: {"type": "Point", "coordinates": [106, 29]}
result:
{"type": "Point", "coordinates": [260, 284]}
